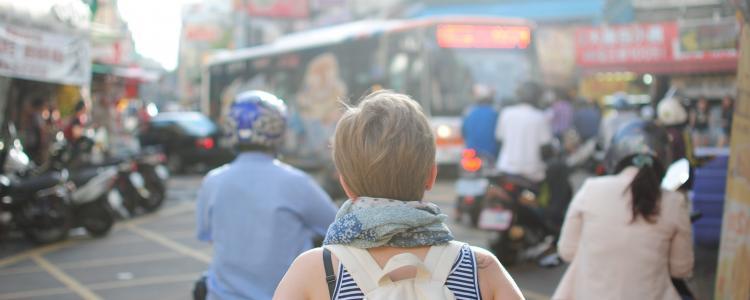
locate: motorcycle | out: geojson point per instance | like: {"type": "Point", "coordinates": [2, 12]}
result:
{"type": "Point", "coordinates": [471, 185]}
{"type": "Point", "coordinates": [34, 204]}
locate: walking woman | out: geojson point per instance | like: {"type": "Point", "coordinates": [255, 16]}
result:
{"type": "Point", "coordinates": [386, 242]}
{"type": "Point", "coordinates": [623, 235]}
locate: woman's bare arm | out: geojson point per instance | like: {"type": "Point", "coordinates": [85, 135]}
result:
{"type": "Point", "coordinates": [494, 281]}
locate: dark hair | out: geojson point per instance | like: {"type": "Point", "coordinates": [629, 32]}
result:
{"type": "Point", "coordinates": [645, 187]}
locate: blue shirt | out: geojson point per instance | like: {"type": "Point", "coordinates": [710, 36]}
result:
{"type": "Point", "coordinates": [478, 129]}
{"type": "Point", "coordinates": [259, 213]}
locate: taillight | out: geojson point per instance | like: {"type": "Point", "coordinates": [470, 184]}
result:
{"type": "Point", "coordinates": [205, 143]}
{"type": "Point", "coordinates": [510, 187]}
{"type": "Point", "coordinates": [134, 166]}
{"type": "Point", "coordinates": [600, 170]}
{"type": "Point", "coordinates": [470, 161]}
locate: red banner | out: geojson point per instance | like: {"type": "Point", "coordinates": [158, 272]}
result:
{"type": "Point", "coordinates": [278, 8]}
{"type": "Point", "coordinates": [649, 47]}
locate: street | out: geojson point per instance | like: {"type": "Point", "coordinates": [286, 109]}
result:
{"type": "Point", "coordinates": [156, 256]}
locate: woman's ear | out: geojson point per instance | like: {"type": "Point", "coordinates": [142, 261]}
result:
{"type": "Point", "coordinates": [346, 188]}
{"type": "Point", "coordinates": [431, 177]}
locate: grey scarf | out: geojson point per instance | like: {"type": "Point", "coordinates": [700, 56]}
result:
{"type": "Point", "coordinates": [374, 222]}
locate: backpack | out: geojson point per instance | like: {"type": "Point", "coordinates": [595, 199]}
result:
{"type": "Point", "coordinates": [428, 284]}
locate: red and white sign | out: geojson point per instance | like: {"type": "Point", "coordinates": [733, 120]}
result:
{"type": "Point", "coordinates": [650, 47]}
{"type": "Point", "coordinates": [278, 8]}
{"type": "Point", "coordinates": [44, 56]}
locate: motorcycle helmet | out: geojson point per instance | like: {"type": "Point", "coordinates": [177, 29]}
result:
{"type": "Point", "coordinates": [638, 137]}
{"type": "Point", "coordinates": [256, 118]}
{"type": "Point", "coordinates": [671, 112]}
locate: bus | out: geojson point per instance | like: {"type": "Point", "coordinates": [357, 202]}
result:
{"type": "Point", "coordinates": [437, 61]}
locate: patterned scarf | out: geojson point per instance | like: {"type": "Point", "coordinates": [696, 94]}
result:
{"type": "Point", "coordinates": [374, 222]}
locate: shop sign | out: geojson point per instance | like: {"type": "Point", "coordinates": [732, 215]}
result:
{"type": "Point", "coordinates": [278, 8]}
{"type": "Point", "coordinates": [651, 4]}
{"type": "Point", "coordinates": [657, 45]}
{"type": "Point", "coordinates": [733, 272]}
{"type": "Point", "coordinates": [44, 56]}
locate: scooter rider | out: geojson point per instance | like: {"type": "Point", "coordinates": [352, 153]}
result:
{"type": "Point", "coordinates": [525, 136]}
{"type": "Point", "coordinates": [258, 212]}
{"type": "Point", "coordinates": [625, 226]}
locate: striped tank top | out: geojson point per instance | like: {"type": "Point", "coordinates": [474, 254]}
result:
{"type": "Point", "coordinates": [462, 280]}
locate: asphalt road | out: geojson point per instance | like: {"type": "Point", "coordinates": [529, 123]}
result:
{"type": "Point", "coordinates": [157, 257]}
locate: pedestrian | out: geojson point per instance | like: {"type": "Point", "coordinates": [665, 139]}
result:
{"type": "Point", "coordinates": [387, 242]}
{"type": "Point", "coordinates": [727, 113]}
{"type": "Point", "coordinates": [257, 212]}
{"type": "Point", "coordinates": [35, 130]}
{"type": "Point", "coordinates": [700, 120]}
{"type": "Point", "coordinates": [624, 236]}
{"type": "Point", "coordinates": [74, 129]}
{"type": "Point", "coordinates": [478, 126]}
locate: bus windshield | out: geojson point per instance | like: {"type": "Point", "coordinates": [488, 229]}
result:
{"type": "Point", "coordinates": [460, 69]}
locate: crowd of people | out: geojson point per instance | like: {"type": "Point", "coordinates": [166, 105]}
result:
{"type": "Point", "coordinates": [388, 242]}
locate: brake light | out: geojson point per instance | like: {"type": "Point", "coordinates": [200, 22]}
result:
{"type": "Point", "coordinates": [470, 161]}
{"type": "Point", "coordinates": [205, 143]}
{"type": "Point", "coordinates": [510, 187]}
{"type": "Point", "coordinates": [600, 170]}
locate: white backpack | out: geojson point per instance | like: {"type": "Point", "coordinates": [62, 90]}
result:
{"type": "Point", "coordinates": [429, 284]}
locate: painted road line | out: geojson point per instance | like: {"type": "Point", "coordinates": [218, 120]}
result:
{"type": "Point", "coordinates": [180, 248]}
{"type": "Point", "coordinates": [37, 251]}
{"type": "Point", "coordinates": [35, 293]}
{"type": "Point", "coordinates": [168, 212]}
{"type": "Point", "coordinates": [154, 280]}
{"type": "Point", "coordinates": [68, 281]}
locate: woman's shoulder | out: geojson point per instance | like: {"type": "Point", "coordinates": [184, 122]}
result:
{"type": "Point", "coordinates": [305, 277]}
{"type": "Point", "coordinates": [494, 281]}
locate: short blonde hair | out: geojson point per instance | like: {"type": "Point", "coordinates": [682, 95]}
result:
{"type": "Point", "coordinates": [384, 147]}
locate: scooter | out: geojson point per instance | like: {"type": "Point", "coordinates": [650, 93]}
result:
{"type": "Point", "coordinates": [471, 185]}
{"type": "Point", "coordinates": [38, 205]}
{"type": "Point", "coordinates": [141, 180]}
{"type": "Point", "coordinates": [512, 210]}
{"type": "Point", "coordinates": [93, 193]}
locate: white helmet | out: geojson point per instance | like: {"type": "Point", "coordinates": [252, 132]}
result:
{"type": "Point", "coordinates": [671, 112]}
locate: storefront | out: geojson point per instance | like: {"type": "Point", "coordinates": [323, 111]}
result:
{"type": "Point", "coordinates": [45, 65]}
{"type": "Point", "coordinates": [697, 57]}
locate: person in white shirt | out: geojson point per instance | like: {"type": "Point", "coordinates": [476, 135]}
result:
{"type": "Point", "coordinates": [525, 135]}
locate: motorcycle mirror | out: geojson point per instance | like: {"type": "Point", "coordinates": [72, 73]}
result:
{"type": "Point", "coordinates": [677, 174]}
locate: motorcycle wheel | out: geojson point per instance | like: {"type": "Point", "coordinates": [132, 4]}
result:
{"type": "Point", "coordinates": [48, 220]}
{"type": "Point", "coordinates": [157, 193]}
{"type": "Point", "coordinates": [97, 218]}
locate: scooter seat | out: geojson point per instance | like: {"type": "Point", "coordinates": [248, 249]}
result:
{"type": "Point", "coordinates": [82, 176]}
{"type": "Point", "coordinates": [36, 183]}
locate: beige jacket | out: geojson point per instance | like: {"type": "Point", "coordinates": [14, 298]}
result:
{"type": "Point", "coordinates": [614, 259]}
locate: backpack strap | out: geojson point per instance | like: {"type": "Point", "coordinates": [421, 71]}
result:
{"type": "Point", "coordinates": [440, 259]}
{"type": "Point", "coordinates": [328, 266]}
{"type": "Point", "coordinates": [360, 265]}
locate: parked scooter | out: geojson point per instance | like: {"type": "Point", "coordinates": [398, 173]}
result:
{"type": "Point", "coordinates": [471, 185]}
{"type": "Point", "coordinates": [141, 181]}
{"type": "Point", "coordinates": [93, 193]}
{"type": "Point", "coordinates": [34, 204]}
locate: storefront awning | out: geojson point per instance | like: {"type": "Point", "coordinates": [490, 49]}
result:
{"type": "Point", "coordinates": [135, 73]}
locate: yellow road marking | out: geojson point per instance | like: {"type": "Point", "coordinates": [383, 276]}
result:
{"type": "Point", "coordinates": [92, 263]}
{"type": "Point", "coordinates": [35, 293]}
{"type": "Point", "coordinates": [68, 281]}
{"type": "Point", "coordinates": [171, 211]}
{"type": "Point", "coordinates": [180, 248]}
{"type": "Point", "coordinates": [37, 251]}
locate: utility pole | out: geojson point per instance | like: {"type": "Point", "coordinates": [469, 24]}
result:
{"type": "Point", "coordinates": [240, 24]}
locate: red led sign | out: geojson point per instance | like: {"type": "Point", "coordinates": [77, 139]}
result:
{"type": "Point", "coordinates": [483, 36]}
